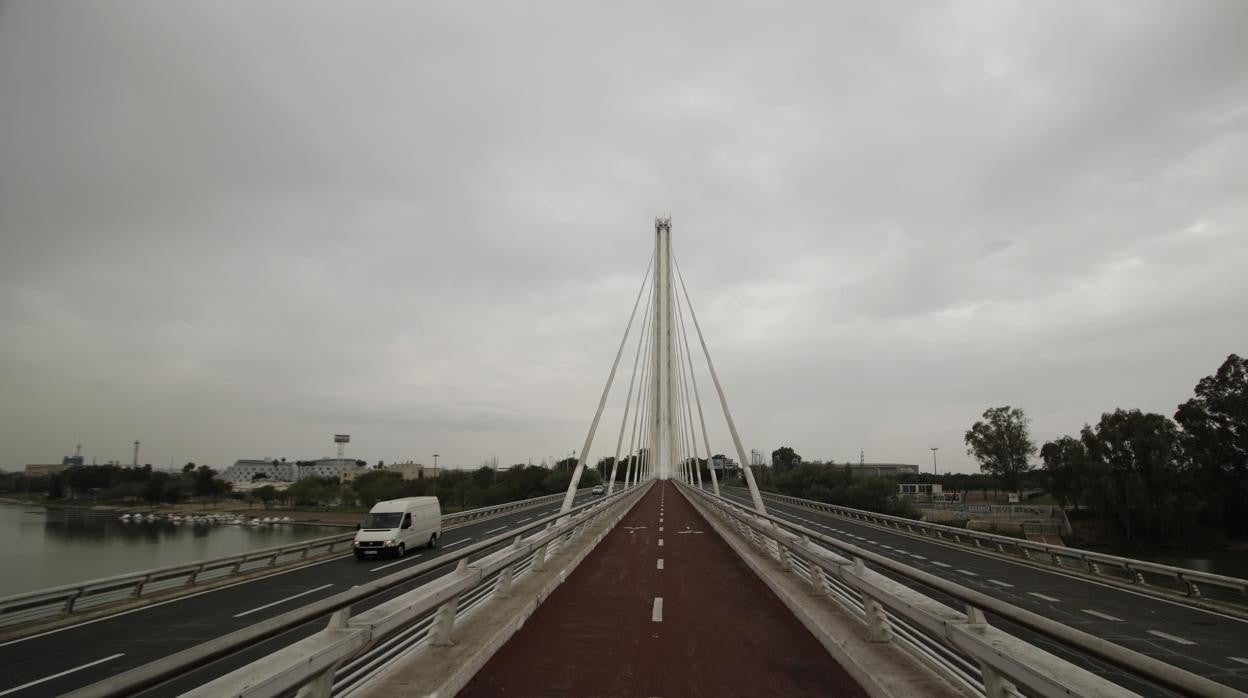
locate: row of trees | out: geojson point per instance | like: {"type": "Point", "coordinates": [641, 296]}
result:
{"type": "Point", "coordinates": [121, 484]}
{"type": "Point", "coordinates": [1150, 476]}
{"type": "Point", "coordinates": [465, 489]}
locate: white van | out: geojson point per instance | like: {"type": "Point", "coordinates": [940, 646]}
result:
{"type": "Point", "coordinates": [395, 526]}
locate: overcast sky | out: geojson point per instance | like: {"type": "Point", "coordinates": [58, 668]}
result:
{"type": "Point", "coordinates": [231, 230]}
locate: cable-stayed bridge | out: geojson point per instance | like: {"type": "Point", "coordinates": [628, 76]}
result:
{"type": "Point", "coordinates": [671, 584]}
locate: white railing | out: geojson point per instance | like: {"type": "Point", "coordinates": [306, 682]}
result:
{"type": "Point", "coordinates": [349, 650]}
{"type": "Point", "coordinates": [95, 594]}
{"type": "Point", "coordinates": [966, 645]}
{"type": "Point", "coordinates": [1136, 572]}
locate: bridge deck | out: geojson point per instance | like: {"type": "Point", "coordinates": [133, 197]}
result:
{"type": "Point", "coordinates": [717, 630]}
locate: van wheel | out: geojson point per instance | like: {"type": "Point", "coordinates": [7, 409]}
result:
{"type": "Point", "coordinates": [400, 551]}
{"type": "Point", "coordinates": [433, 541]}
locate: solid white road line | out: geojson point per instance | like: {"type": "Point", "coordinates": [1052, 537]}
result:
{"type": "Point", "coordinates": [1102, 616]}
{"type": "Point", "coordinates": [36, 682]}
{"type": "Point", "coordinates": [288, 598]}
{"type": "Point", "coordinates": [400, 561]}
{"type": "Point", "coordinates": [656, 613]}
{"type": "Point", "coordinates": [1038, 595]}
{"type": "Point", "coordinates": [660, 565]}
{"type": "Point", "coordinates": [1170, 637]}
{"type": "Point", "coordinates": [464, 540]}
{"type": "Point", "coordinates": [496, 530]}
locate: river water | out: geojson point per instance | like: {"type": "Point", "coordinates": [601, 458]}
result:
{"type": "Point", "coordinates": [42, 548]}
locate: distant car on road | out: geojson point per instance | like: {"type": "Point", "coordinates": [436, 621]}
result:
{"type": "Point", "coordinates": [597, 490]}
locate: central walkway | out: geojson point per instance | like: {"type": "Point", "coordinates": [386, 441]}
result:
{"type": "Point", "coordinates": [662, 607]}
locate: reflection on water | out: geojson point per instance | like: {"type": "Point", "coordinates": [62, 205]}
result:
{"type": "Point", "coordinates": [47, 548]}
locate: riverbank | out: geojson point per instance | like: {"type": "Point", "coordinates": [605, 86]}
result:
{"type": "Point", "coordinates": [342, 517]}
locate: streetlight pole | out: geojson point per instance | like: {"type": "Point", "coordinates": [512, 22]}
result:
{"type": "Point", "coordinates": [435, 462]}
{"type": "Point", "coordinates": [934, 450]}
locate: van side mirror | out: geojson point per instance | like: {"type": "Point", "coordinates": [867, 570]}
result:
{"type": "Point", "coordinates": [359, 526]}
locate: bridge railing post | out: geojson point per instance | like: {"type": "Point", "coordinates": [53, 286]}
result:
{"type": "Point", "coordinates": [442, 630]}
{"type": "Point", "coordinates": [995, 683]}
{"type": "Point", "coordinates": [321, 686]}
{"type": "Point", "coordinates": [507, 575]}
{"type": "Point", "coordinates": [878, 628]}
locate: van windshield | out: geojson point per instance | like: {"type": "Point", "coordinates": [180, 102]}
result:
{"type": "Point", "coordinates": [383, 521]}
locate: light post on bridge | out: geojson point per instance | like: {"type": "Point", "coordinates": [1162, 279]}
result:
{"type": "Point", "coordinates": [435, 462]}
{"type": "Point", "coordinates": [934, 450]}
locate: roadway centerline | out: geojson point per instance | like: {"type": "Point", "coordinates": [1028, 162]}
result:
{"type": "Point", "coordinates": [656, 612]}
{"type": "Point", "coordinates": [1102, 616]}
{"type": "Point", "coordinates": [660, 542]}
{"type": "Point", "coordinates": [36, 682]}
{"type": "Point", "coordinates": [496, 530]}
{"type": "Point", "coordinates": [288, 598]}
{"type": "Point", "coordinates": [463, 540]}
{"type": "Point", "coordinates": [660, 564]}
{"type": "Point", "coordinates": [1046, 597]}
{"type": "Point", "coordinates": [1003, 585]}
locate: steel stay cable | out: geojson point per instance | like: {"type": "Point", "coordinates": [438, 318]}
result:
{"type": "Point", "coordinates": [602, 401]}
{"type": "Point", "coordinates": [641, 339]}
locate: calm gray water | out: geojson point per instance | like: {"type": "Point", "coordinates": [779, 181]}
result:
{"type": "Point", "coordinates": [44, 548]}
{"type": "Point", "coordinates": [1231, 563]}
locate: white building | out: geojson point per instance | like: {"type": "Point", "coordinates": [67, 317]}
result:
{"type": "Point", "coordinates": [245, 470]}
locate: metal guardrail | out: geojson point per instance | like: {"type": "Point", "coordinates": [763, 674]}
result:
{"type": "Point", "coordinates": [979, 655]}
{"type": "Point", "coordinates": [97, 593]}
{"type": "Point", "coordinates": [1137, 572]}
{"type": "Point", "coordinates": [314, 663]}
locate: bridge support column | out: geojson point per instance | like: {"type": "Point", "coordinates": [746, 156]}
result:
{"type": "Point", "coordinates": [443, 627]}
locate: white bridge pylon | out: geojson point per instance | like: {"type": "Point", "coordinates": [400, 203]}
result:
{"type": "Point", "coordinates": [663, 441]}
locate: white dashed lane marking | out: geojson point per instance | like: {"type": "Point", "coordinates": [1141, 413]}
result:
{"type": "Point", "coordinates": [1102, 616]}
{"type": "Point", "coordinates": [36, 682]}
{"type": "Point", "coordinates": [1001, 584]}
{"type": "Point", "coordinates": [1172, 638]}
{"type": "Point", "coordinates": [1046, 597]}
{"type": "Point", "coordinates": [660, 564]}
{"type": "Point", "coordinates": [656, 613]}
{"type": "Point", "coordinates": [288, 598]}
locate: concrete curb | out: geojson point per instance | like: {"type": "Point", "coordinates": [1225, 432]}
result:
{"type": "Point", "coordinates": [883, 670]}
{"type": "Point", "coordinates": [490, 626]}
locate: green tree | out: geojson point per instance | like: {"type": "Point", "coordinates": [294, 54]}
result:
{"type": "Point", "coordinates": [1066, 467]}
{"type": "Point", "coordinates": [1002, 445]}
{"type": "Point", "coordinates": [1214, 444]}
{"type": "Point", "coordinates": [265, 494]}
{"type": "Point", "coordinates": [784, 458]}
{"type": "Point", "coordinates": [313, 490]}
{"type": "Point", "coordinates": [1139, 450]}
{"type": "Point", "coordinates": [378, 485]}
